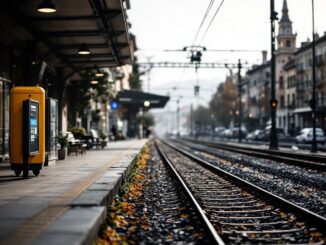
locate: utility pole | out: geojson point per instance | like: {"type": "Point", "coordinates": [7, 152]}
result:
{"type": "Point", "coordinates": [313, 100]}
{"type": "Point", "coordinates": [239, 100]}
{"type": "Point", "coordinates": [191, 120]}
{"type": "Point", "coordinates": [149, 72]}
{"type": "Point", "coordinates": [178, 118]}
{"type": "Point", "coordinates": [273, 144]}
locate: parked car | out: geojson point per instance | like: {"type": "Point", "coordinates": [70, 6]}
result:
{"type": "Point", "coordinates": [227, 133]}
{"type": "Point", "coordinates": [306, 135]}
{"type": "Point", "coordinates": [218, 131]}
{"type": "Point", "coordinates": [235, 133]}
{"type": "Point", "coordinates": [256, 135]}
{"type": "Point", "coordinates": [279, 131]}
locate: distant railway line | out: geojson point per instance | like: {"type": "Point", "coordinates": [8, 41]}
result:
{"type": "Point", "coordinates": [315, 161]}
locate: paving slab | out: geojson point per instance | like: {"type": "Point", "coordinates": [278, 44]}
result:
{"type": "Point", "coordinates": [121, 165]}
{"type": "Point", "coordinates": [59, 238]}
{"type": "Point", "coordinates": [76, 226]}
{"type": "Point", "coordinates": [10, 225]}
{"type": "Point", "coordinates": [21, 210]}
{"type": "Point", "coordinates": [92, 198]}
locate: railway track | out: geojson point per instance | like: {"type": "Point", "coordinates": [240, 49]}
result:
{"type": "Point", "coordinates": [317, 162]}
{"type": "Point", "coordinates": [238, 212]}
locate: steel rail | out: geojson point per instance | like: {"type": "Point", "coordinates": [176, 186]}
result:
{"type": "Point", "coordinates": [297, 159]}
{"type": "Point", "coordinates": [309, 157]}
{"type": "Point", "coordinates": [310, 217]}
{"type": "Point", "coordinates": [218, 240]}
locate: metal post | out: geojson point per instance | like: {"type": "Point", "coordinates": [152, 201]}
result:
{"type": "Point", "coordinates": [191, 121]}
{"type": "Point", "coordinates": [273, 144]}
{"type": "Point", "coordinates": [148, 80]}
{"type": "Point", "coordinates": [178, 118]}
{"type": "Point", "coordinates": [150, 66]}
{"type": "Point", "coordinates": [240, 102]}
{"type": "Point", "coordinates": [313, 102]}
{"type": "Point", "coordinates": [4, 94]}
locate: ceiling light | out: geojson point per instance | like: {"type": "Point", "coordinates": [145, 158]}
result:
{"type": "Point", "coordinates": [94, 82]}
{"type": "Point", "coordinates": [99, 74]}
{"type": "Point", "coordinates": [47, 6]}
{"type": "Point", "coordinates": [83, 50]}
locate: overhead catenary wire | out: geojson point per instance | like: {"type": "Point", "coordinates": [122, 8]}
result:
{"type": "Point", "coordinates": [197, 34]}
{"type": "Point", "coordinates": [210, 23]}
{"type": "Point", "coordinates": [179, 88]}
{"type": "Point", "coordinates": [207, 50]}
{"type": "Point", "coordinates": [235, 50]}
{"type": "Point", "coordinates": [203, 20]}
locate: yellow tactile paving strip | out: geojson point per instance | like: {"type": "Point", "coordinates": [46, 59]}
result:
{"type": "Point", "coordinates": [39, 222]}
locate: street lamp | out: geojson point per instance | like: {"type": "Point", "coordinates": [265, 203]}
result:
{"type": "Point", "coordinates": [273, 144]}
{"type": "Point", "coordinates": [313, 101]}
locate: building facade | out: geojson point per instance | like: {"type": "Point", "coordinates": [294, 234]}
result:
{"type": "Point", "coordinates": [303, 60]}
{"type": "Point", "coordinates": [293, 81]}
{"type": "Point", "coordinates": [258, 90]}
{"type": "Point", "coordinates": [290, 96]}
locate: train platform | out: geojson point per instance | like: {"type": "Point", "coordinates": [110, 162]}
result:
{"type": "Point", "coordinates": [66, 203]}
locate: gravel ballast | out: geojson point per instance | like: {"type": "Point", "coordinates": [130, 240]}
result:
{"type": "Point", "coordinates": [302, 186]}
{"type": "Point", "coordinates": [152, 209]}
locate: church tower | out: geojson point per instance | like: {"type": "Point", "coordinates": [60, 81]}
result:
{"type": "Point", "coordinates": [286, 40]}
{"type": "Point", "coordinates": [286, 47]}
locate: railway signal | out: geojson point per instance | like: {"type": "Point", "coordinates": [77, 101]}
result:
{"type": "Point", "coordinates": [196, 57]}
{"type": "Point", "coordinates": [196, 90]}
{"type": "Point", "coordinates": [274, 103]}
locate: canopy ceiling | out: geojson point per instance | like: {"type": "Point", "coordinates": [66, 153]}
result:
{"type": "Point", "coordinates": [136, 99]}
{"type": "Point", "coordinates": [101, 24]}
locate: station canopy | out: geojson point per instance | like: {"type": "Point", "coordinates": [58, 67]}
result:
{"type": "Point", "coordinates": [139, 99]}
{"type": "Point", "coordinates": [101, 25]}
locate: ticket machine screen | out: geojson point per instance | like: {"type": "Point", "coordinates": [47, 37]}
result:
{"type": "Point", "coordinates": [31, 127]}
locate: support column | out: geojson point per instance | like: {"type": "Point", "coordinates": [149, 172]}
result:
{"type": "Point", "coordinates": [57, 91]}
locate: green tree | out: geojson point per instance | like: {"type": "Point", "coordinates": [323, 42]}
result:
{"type": "Point", "coordinates": [202, 114]}
{"type": "Point", "coordinates": [201, 118]}
{"type": "Point", "coordinates": [223, 104]}
{"type": "Point", "coordinates": [147, 119]}
{"type": "Point", "coordinates": [135, 82]}
{"type": "Point", "coordinates": [81, 92]}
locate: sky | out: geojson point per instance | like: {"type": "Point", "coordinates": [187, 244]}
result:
{"type": "Point", "coordinates": [240, 24]}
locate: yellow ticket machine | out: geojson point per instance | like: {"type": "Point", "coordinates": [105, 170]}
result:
{"type": "Point", "coordinates": [27, 130]}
